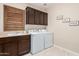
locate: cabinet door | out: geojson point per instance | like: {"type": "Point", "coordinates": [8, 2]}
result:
{"type": "Point", "coordinates": [37, 17]}
{"type": "Point", "coordinates": [1, 50]}
{"type": "Point", "coordinates": [41, 18]}
{"type": "Point", "coordinates": [30, 15]}
{"type": "Point", "coordinates": [10, 48]}
{"type": "Point", "coordinates": [48, 37]}
{"type": "Point", "coordinates": [37, 43]}
{"type": "Point", "coordinates": [24, 45]}
{"type": "Point", "coordinates": [27, 15]}
{"type": "Point", "coordinates": [45, 21]}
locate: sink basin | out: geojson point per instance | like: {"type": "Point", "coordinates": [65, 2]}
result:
{"type": "Point", "coordinates": [15, 34]}
{"type": "Point", "coordinates": [11, 34]}
{"type": "Point", "coordinates": [20, 33]}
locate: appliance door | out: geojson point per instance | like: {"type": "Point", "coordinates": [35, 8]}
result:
{"type": "Point", "coordinates": [37, 43]}
{"type": "Point", "coordinates": [48, 40]}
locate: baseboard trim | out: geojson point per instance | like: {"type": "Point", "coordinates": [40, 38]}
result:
{"type": "Point", "coordinates": [69, 51]}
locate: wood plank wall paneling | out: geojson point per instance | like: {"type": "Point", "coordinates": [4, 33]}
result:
{"type": "Point", "coordinates": [13, 19]}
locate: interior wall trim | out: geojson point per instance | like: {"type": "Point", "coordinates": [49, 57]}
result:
{"type": "Point", "coordinates": [67, 50]}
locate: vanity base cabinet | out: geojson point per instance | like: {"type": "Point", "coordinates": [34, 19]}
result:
{"type": "Point", "coordinates": [10, 49]}
{"type": "Point", "coordinates": [15, 46]}
{"type": "Point", "coordinates": [1, 50]}
{"type": "Point", "coordinates": [8, 46]}
{"type": "Point", "coordinates": [24, 45]}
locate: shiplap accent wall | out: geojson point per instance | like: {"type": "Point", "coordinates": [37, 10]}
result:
{"type": "Point", "coordinates": [13, 19]}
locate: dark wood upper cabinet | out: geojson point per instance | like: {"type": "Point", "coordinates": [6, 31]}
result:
{"type": "Point", "coordinates": [36, 17]}
{"type": "Point", "coordinates": [45, 19]}
{"type": "Point", "coordinates": [41, 18]}
{"type": "Point", "coordinates": [29, 15]}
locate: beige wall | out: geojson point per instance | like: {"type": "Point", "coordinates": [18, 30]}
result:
{"type": "Point", "coordinates": [64, 35]}
{"type": "Point", "coordinates": [1, 17]}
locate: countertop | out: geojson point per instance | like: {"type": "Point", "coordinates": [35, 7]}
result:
{"type": "Point", "coordinates": [11, 34]}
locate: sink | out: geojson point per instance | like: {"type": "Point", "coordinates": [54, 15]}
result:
{"type": "Point", "coordinates": [20, 33]}
{"type": "Point", "coordinates": [15, 34]}
{"type": "Point", "coordinates": [11, 34]}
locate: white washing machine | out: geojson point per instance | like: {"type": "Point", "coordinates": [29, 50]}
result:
{"type": "Point", "coordinates": [40, 41]}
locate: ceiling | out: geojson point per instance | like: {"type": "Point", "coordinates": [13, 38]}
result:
{"type": "Point", "coordinates": [44, 5]}
{"type": "Point", "coordinates": [47, 5]}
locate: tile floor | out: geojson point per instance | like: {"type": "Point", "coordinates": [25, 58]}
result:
{"type": "Point", "coordinates": [53, 51]}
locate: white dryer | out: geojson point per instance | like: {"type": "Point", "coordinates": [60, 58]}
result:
{"type": "Point", "coordinates": [40, 41]}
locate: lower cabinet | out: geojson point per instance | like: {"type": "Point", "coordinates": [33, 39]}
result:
{"type": "Point", "coordinates": [1, 50]}
{"type": "Point", "coordinates": [24, 45]}
{"type": "Point", "coordinates": [10, 48]}
{"type": "Point", "coordinates": [15, 46]}
{"type": "Point", "coordinates": [48, 40]}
